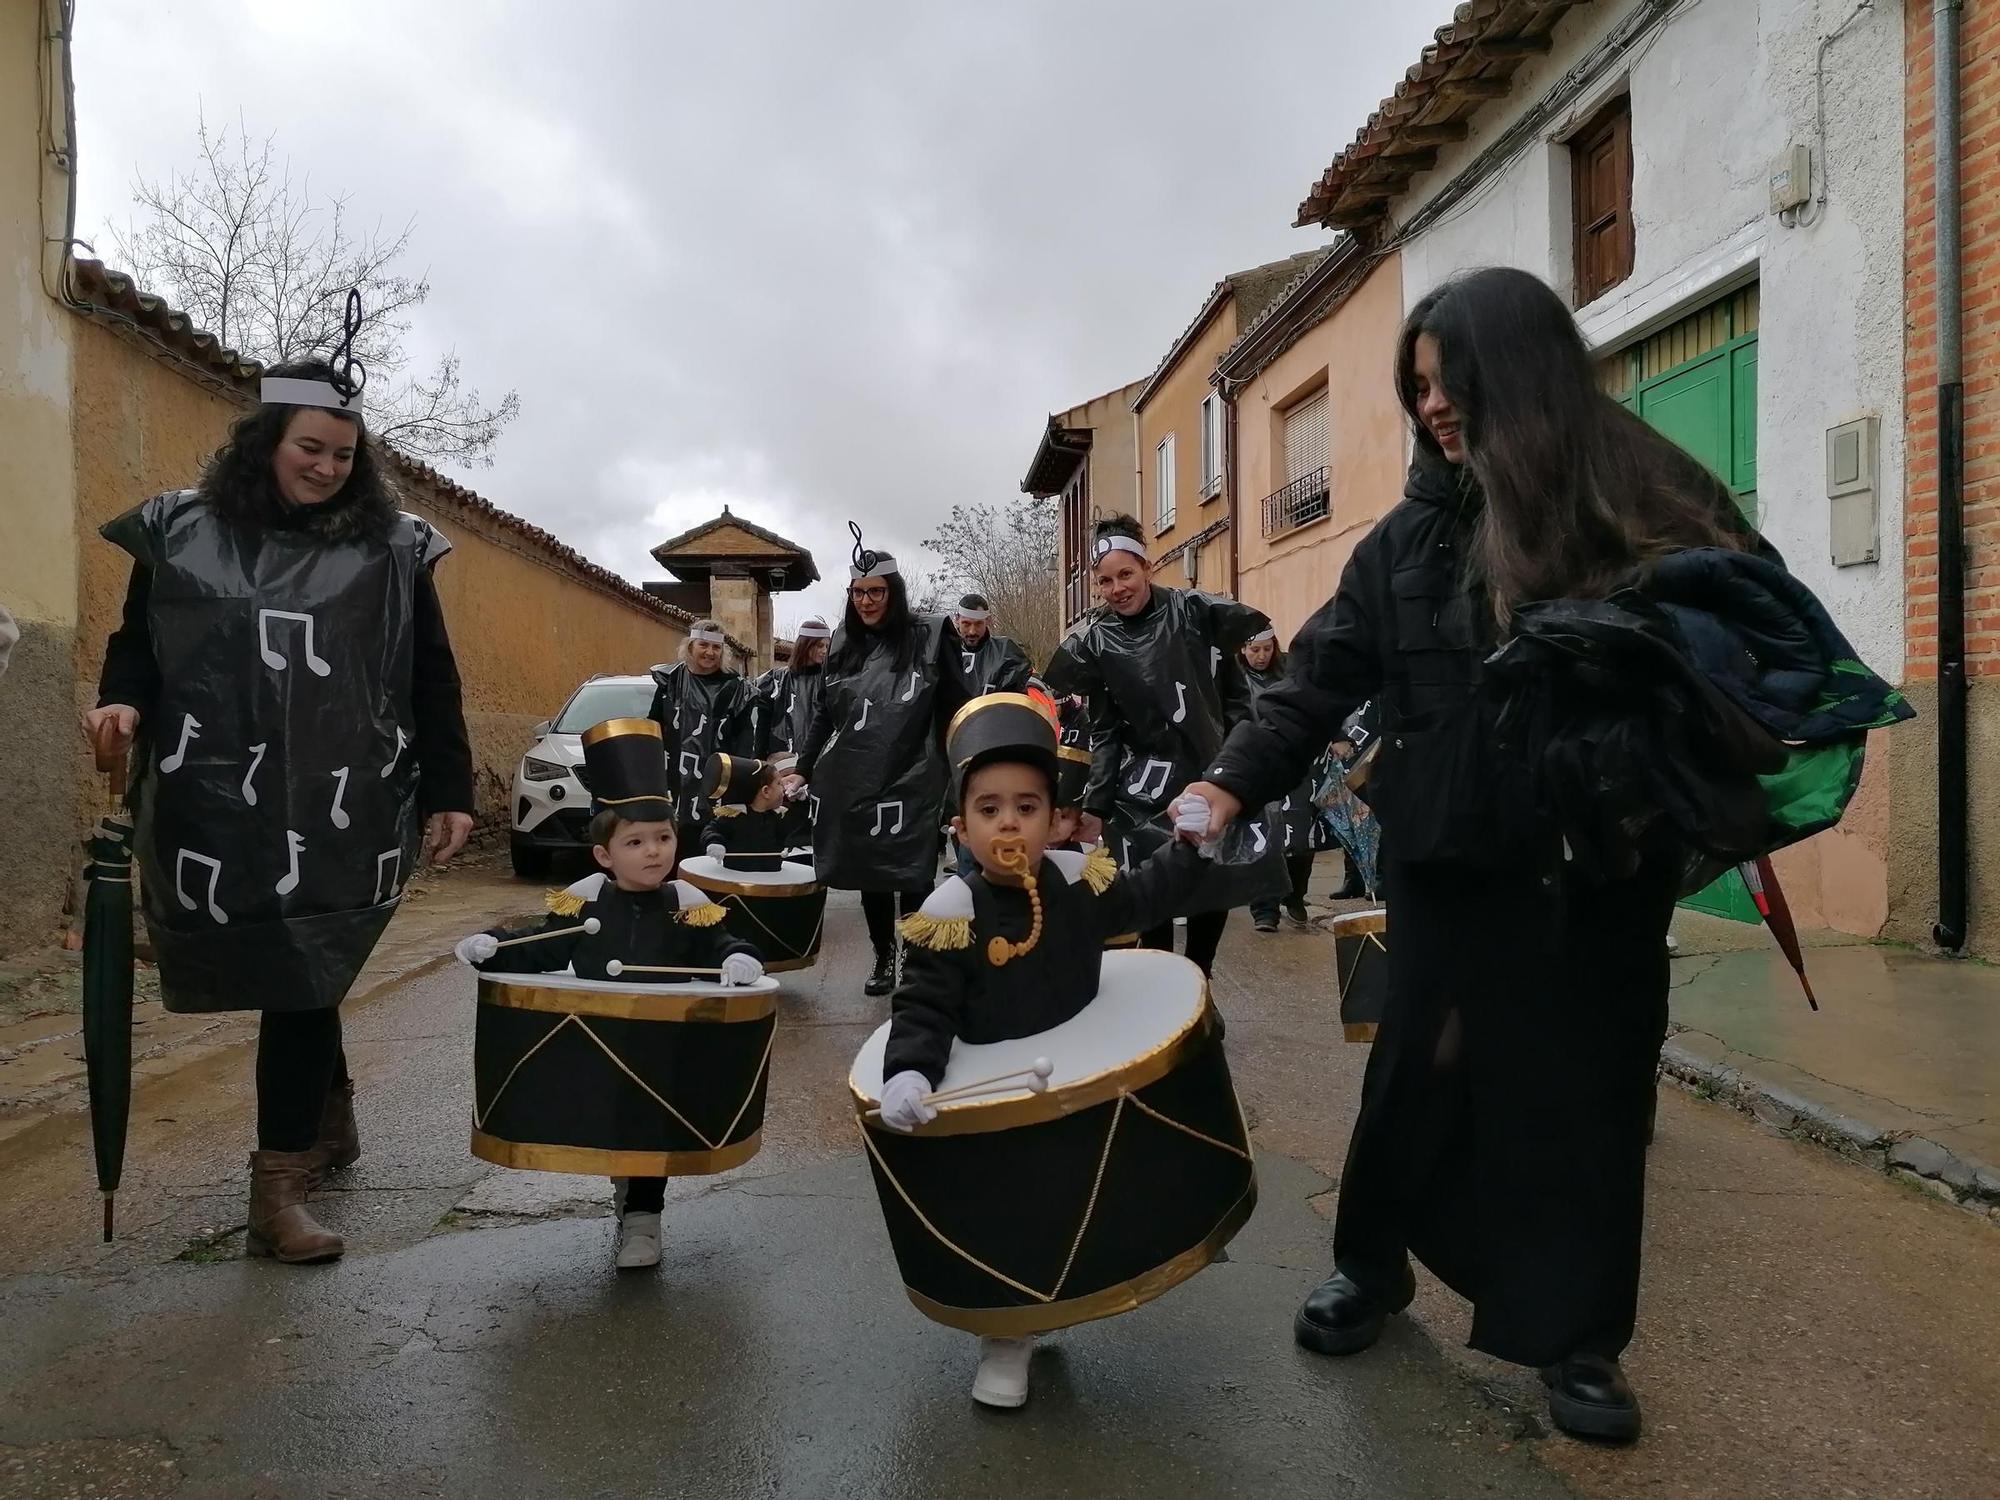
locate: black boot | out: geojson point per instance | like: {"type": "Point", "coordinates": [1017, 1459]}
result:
{"type": "Point", "coordinates": [1339, 1318]}
{"type": "Point", "coordinates": [1590, 1397]}
{"type": "Point", "coordinates": [883, 979]}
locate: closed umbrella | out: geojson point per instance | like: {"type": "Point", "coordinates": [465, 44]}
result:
{"type": "Point", "coordinates": [1762, 881]}
{"type": "Point", "coordinates": [107, 975]}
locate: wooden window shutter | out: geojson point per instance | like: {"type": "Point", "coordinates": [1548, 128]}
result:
{"type": "Point", "coordinates": [1601, 194]}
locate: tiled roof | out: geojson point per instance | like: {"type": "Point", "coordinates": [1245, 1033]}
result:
{"type": "Point", "coordinates": [1253, 291]}
{"type": "Point", "coordinates": [1307, 301]}
{"type": "Point", "coordinates": [1471, 63]}
{"type": "Point", "coordinates": [803, 566]}
{"type": "Point", "coordinates": [1056, 457]}
{"type": "Point", "coordinates": [115, 294]}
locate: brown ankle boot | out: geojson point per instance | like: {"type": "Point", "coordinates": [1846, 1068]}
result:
{"type": "Point", "coordinates": [339, 1142]}
{"type": "Point", "coordinates": [280, 1223]}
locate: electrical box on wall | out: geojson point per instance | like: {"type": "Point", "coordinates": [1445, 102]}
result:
{"type": "Point", "coordinates": [1791, 179]}
{"type": "Point", "coordinates": [1853, 478]}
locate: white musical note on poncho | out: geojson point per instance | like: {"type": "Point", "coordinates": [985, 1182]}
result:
{"type": "Point", "coordinates": [382, 859]}
{"type": "Point", "coordinates": [1139, 788]}
{"type": "Point", "coordinates": [396, 755]}
{"type": "Point", "coordinates": [293, 846]}
{"type": "Point", "coordinates": [190, 730]}
{"type": "Point", "coordinates": [337, 813]}
{"type": "Point", "coordinates": [272, 659]}
{"type": "Point", "coordinates": [256, 760]}
{"type": "Point", "coordinates": [1180, 702]}
{"type": "Point", "coordinates": [858, 723]}
{"type": "Point", "coordinates": [911, 691]}
{"type": "Point", "coordinates": [214, 875]}
{"type": "Point", "coordinates": [876, 831]}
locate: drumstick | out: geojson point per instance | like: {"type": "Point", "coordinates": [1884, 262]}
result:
{"type": "Point", "coordinates": [618, 966]}
{"type": "Point", "coordinates": [1037, 1082]}
{"type": "Point", "coordinates": [589, 925]}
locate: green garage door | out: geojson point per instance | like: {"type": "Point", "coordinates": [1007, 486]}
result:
{"type": "Point", "coordinates": [1696, 381]}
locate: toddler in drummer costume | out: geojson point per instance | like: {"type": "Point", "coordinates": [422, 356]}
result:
{"type": "Point", "coordinates": [1014, 948]}
{"type": "Point", "coordinates": [750, 832]}
{"type": "Point", "coordinates": [629, 922]}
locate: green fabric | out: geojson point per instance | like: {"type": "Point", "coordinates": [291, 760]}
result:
{"type": "Point", "coordinates": [1725, 896]}
{"type": "Point", "coordinates": [1813, 789]}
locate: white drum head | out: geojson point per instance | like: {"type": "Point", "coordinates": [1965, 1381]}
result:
{"type": "Point", "coordinates": [1146, 998]}
{"type": "Point", "coordinates": [704, 871]}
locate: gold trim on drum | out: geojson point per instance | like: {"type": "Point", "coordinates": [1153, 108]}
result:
{"type": "Point", "coordinates": [1123, 940]}
{"type": "Point", "coordinates": [1014, 1322]}
{"type": "Point", "coordinates": [1359, 1031]}
{"type": "Point", "coordinates": [992, 700]}
{"type": "Point", "coordinates": [786, 965]}
{"type": "Point", "coordinates": [1071, 752]}
{"type": "Point", "coordinates": [976, 1117]}
{"type": "Point", "coordinates": [758, 892]}
{"type": "Point", "coordinates": [629, 1005]}
{"type": "Point", "coordinates": [1360, 923]}
{"type": "Point", "coordinates": [612, 728]}
{"type": "Point", "coordinates": [532, 1156]}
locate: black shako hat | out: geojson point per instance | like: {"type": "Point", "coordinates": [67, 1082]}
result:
{"type": "Point", "coordinates": [999, 726]}
{"type": "Point", "coordinates": [735, 778]}
{"type": "Point", "coordinates": [1072, 775]}
{"type": "Point", "coordinates": [626, 762]}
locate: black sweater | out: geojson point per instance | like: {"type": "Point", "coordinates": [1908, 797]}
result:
{"type": "Point", "coordinates": [131, 676]}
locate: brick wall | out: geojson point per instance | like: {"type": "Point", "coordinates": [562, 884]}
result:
{"type": "Point", "coordinates": [1980, 200]}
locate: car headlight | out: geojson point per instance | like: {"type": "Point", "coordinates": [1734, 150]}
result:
{"type": "Point", "coordinates": [542, 770]}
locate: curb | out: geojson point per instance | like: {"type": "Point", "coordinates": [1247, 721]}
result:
{"type": "Point", "coordinates": [1909, 1158]}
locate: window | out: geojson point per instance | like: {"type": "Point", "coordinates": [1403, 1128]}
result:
{"type": "Point", "coordinates": [1163, 485]}
{"type": "Point", "coordinates": [1076, 543]}
{"type": "Point", "coordinates": [1211, 446]}
{"type": "Point", "coordinates": [1305, 497]}
{"type": "Point", "coordinates": [1601, 195]}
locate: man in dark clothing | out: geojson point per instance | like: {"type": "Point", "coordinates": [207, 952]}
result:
{"type": "Point", "coordinates": [991, 662]}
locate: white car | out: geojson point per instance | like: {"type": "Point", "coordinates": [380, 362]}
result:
{"type": "Point", "coordinates": [551, 799]}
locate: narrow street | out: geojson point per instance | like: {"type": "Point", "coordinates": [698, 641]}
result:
{"type": "Point", "coordinates": [1807, 1328]}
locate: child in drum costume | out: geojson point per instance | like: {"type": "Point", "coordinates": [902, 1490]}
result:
{"type": "Point", "coordinates": [1013, 949]}
{"type": "Point", "coordinates": [628, 917]}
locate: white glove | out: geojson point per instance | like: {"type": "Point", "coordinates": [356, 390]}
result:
{"type": "Point", "coordinates": [903, 1106]}
{"type": "Point", "coordinates": [795, 787]}
{"type": "Point", "coordinates": [715, 851]}
{"type": "Point", "coordinates": [477, 948]}
{"type": "Point", "coordinates": [1192, 817]}
{"type": "Point", "coordinates": [741, 968]}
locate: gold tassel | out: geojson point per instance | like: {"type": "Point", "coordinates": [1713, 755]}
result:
{"type": "Point", "coordinates": [563, 903]}
{"type": "Point", "coordinates": [1099, 870]}
{"type": "Point", "coordinates": [939, 934]}
{"type": "Point", "coordinates": [705, 915]}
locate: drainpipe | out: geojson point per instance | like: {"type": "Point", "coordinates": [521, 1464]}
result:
{"type": "Point", "coordinates": [1229, 485]}
{"type": "Point", "coordinates": [1950, 931]}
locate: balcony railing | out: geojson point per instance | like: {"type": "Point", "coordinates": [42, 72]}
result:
{"type": "Point", "coordinates": [1299, 503]}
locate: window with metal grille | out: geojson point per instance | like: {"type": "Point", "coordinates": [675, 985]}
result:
{"type": "Point", "coordinates": [1211, 446]}
{"type": "Point", "coordinates": [1601, 197]}
{"type": "Point", "coordinates": [1305, 497]}
{"type": "Point", "coordinates": [1163, 485]}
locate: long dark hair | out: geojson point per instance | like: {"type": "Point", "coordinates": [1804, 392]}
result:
{"type": "Point", "coordinates": [1578, 492]}
{"type": "Point", "coordinates": [236, 481]}
{"type": "Point", "coordinates": [1277, 667]}
{"type": "Point", "coordinates": [857, 638]}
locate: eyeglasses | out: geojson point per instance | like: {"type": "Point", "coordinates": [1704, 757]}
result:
{"type": "Point", "coordinates": [869, 596]}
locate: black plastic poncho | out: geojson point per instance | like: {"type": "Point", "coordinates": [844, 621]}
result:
{"type": "Point", "coordinates": [1163, 686]}
{"type": "Point", "coordinates": [697, 716]}
{"type": "Point", "coordinates": [1295, 817]}
{"type": "Point", "coordinates": [278, 814]}
{"type": "Point", "coordinates": [995, 665]}
{"type": "Point", "coordinates": [875, 762]}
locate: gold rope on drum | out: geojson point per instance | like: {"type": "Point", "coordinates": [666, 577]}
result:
{"type": "Point", "coordinates": [755, 1079]}
{"type": "Point", "coordinates": [479, 1117]}
{"type": "Point", "coordinates": [1347, 979]}
{"type": "Point", "coordinates": [1090, 1208]}
{"type": "Point", "coordinates": [743, 905]}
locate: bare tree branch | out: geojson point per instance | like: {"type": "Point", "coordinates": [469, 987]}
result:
{"type": "Point", "coordinates": [257, 260]}
{"type": "Point", "coordinates": [1009, 554]}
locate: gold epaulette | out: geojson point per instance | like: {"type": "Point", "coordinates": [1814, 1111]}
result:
{"type": "Point", "coordinates": [1099, 870]}
{"type": "Point", "coordinates": [727, 812]}
{"type": "Point", "coordinates": [705, 915]}
{"type": "Point", "coordinates": [939, 934]}
{"type": "Point", "coordinates": [563, 903]}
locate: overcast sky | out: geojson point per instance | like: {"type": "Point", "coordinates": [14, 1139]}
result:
{"type": "Point", "coordinates": [814, 260]}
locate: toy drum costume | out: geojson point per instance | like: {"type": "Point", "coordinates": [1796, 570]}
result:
{"type": "Point", "coordinates": [773, 903]}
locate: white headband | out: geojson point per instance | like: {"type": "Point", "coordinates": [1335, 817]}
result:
{"type": "Point", "coordinates": [975, 614]}
{"type": "Point", "coordinates": [712, 634]}
{"type": "Point", "coordinates": [884, 566]}
{"type": "Point", "coordinates": [1266, 634]}
{"type": "Point", "coordinates": [813, 630]}
{"type": "Point", "coordinates": [1117, 542]}
{"type": "Point", "coordinates": [279, 390]}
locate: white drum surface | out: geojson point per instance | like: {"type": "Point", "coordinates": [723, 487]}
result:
{"type": "Point", "coordinates": [564, 980]}
{"type": "Point", "coordinates": [1145, 998]}
{"type": "Point", "coordinates": [700, 867]}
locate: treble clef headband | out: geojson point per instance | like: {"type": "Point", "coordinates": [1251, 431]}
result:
{"type": "Point", "coordinates": [341, 390]}
{"type": "Point", "coordinates": [868, 563]}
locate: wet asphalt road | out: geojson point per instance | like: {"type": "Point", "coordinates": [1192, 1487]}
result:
{"type": "Point", "coordinates": [476, 1341]}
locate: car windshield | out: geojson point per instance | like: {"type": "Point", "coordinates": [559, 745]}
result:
{"type": "Point", "coordinates": [597, 701]}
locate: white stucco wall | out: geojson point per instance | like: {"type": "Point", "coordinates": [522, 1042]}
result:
{"type": "Point", "coordinates": [1716, 94]}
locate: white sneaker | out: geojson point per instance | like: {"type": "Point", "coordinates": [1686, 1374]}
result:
{"type": "Point", "coordinates": [638, 1241]}
{"type": "Point", "coordinates": [1673, 945]}
{"type": "Point", "coordinates": [1003, 1372]}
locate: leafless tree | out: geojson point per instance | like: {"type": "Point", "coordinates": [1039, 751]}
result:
{"type": "Point", "coordinates": [1008, 553]}
{"type": "Point", "coordinates": [257, 260]}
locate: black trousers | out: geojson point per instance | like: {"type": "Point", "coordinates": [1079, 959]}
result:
{"type": "Point", "coordinates": [299, 1058]}
{"type": "Point", "coordinates": [879, 907]}
{"type": "Point", "coordinates": [645, 1195]}
{"type": "Point", "coordinates": [1204, 935]}
{"type": "Point", "coordinates": [1300, 868]}
{"type": "Point", "coordinates": [1502, 1132]}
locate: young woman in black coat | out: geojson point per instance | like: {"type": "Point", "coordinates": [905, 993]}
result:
{"type": "Point", "coordinates": [284, 666]}
{"type": "Point", "coordinates": [1502, 1131]}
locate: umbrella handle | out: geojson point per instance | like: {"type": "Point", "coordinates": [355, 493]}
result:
{"type": "Point", "coordinates": [110, 756]}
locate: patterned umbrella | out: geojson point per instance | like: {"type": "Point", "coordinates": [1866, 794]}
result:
{"type": "Point", "coordinates": [107, 976]}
